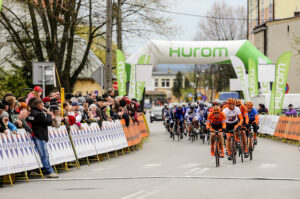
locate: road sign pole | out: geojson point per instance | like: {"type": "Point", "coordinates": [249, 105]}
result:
{"type": "Point", "coordinates": [43, 80]}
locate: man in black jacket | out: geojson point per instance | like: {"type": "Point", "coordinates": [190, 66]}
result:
{"type": "Point", "coordinates": [40, 119]}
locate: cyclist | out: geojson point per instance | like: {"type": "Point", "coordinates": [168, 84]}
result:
{"type": "Point", "coordinates": [164, 112]}
{"type": "Point", "coordinates": [191, 118]}
{"type": "Point", "coordinates": [234, 120]}
{"type": "Point", "coordinates": [216, 121]}
{"type": "Point", "coordinates": [244, 112]}
{"type": "Point", "coordinates": [202, 113]}
{"type": "Point", "coordinates": [172, 118]}
{"type": "Point", "coordinates": [179, 113]}
{"type": "Point", "coordinates": [253, 119]}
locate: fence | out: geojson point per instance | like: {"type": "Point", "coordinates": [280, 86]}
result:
{"type": "Point", "coordinates": [18, 152]}
{"type": "Point", "coordinates": [280, 127]}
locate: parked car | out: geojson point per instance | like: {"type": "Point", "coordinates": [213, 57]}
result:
{"type": "Point", "coordinates": [156, 114]}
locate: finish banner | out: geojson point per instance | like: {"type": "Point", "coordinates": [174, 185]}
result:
{"type": "Point", "coordinates": [253, 79]}
{"type": "Point", "coordinates": [121, 73]}
{"type": "Point", "coordinates": [240, 72]}
{"type": "Point", "coordinates": [278, 88]}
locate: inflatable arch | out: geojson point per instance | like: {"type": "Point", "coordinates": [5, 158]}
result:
{"type": "Point", "coordinates": [196, 52]}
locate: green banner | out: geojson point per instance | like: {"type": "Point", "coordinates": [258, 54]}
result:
{"type": "Point", "coordinates": [278, 88]}
{"type": "Point", "coordinates": [1, 4]}
{"type": "Point", "coordinates": [140, 85]}
{"type": "Point", "coordinates": [121, 73]}
{"type": "Point", "coordinates": [253, 77]}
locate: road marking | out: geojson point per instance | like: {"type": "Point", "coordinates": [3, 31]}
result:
{"type": "Point", "coordinates": [133, 194]}
{"type": "Point", "coordinates": [202, 170]}
{"type": "Point", "coordinates": [187, 166]}
{"type": "Point", "coordinates": [149, 166]}
{"type": "Point", "coordinates": [149, 194]}
{"type": "Point", "coordinates": [192, 171]}
{"type": "Point", "coordinates": [268, 166]}
{"type": "Point", "coordinates": [104, 168]}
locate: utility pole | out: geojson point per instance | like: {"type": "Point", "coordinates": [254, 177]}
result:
{"type": "Point", "coordinates": [108, 56]}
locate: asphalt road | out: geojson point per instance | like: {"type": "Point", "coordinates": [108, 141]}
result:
{"type": "Point", "coordinates": [171, 169]}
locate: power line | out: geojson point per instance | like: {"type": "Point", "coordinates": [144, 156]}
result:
{"type": "Point", "coordinates": [195, 15]}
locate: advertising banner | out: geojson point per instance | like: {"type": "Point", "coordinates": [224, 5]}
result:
{"type": "Point", "coordinates": [240, 72]}
{"type": "Point", "coordinates": [121, 73]}
{"type": "Point", "coordinates": [252, 75]}
{"type": "Point", "coordinates": [279, 86]}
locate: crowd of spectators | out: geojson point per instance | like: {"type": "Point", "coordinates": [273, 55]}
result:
{"type": "Point", "coordinates": [35, 114]}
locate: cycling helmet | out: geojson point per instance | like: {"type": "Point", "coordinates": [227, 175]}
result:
{"type": "Point", "coordinates": [183, 104]}
{"type": "Point", "coordinates": [238, 102]}
{"type": "Point", "coordinates": [179, 105]}
{"type": "Point", "coordinates": [216, 109]}
{"type": "Point", "coordinates": [231, 101]}
{"type": "Point", "coordinates": [192, 106]}
{"type": "Point", "coordinates": [249, 105]}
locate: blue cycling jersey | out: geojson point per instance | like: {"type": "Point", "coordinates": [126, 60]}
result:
{"type": "Point", "coordinates": [252, 114]}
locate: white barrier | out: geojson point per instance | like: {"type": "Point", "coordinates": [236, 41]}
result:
{"type": "Point", "coordinates": [93, 140]}
{"type": "Point", "coordinates": [17, 153]}
{"type": "Point", "coordinates": [267, 124]}
{"type": "Point", "coordinates": [59, 146]}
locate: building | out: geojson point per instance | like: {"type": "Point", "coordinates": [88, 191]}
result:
{"type": "Point", "coordinates": [274, 28]}
{"type": "Point", "coordinates": [262, 11]}
{"type": "Point", "coordinates": [163, 84]}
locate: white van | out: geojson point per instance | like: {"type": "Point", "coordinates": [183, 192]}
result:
{"type": "Point", "coordinates": [265, 99]}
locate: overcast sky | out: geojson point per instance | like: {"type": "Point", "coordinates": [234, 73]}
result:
{"type": "Point", "coordinates": [187, 24]}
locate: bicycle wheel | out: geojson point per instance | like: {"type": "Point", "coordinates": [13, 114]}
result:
{"type": "Point", "coordinates": [250, 147]}
{"type": "Point", "coordinates": [233, 150]}
{"type": "Point", "coordinates": [203, 135]}
{"type": "Point", "coordinates": [241, 149]}
{"type": "Point", "coordinates": [217, 153]}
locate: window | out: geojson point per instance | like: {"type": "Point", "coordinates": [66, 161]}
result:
{"type": "Point", "coordinates": [165, 83]}
{"type": "Point", "coordinates": [156, 83]}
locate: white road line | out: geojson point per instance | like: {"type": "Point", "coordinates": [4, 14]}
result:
{"type": "Point", "coordinates": [149, 166]}
{"type": "Point", "coordinates": [191, 165]}
{"type": "Point", "coordinates": [149, 194]}
{"type": "Point", "coordinates": [133, 194]}
{"type": "Point", "coordinates": [268, 166]}
{"type": "Point", "coordinates": [192, 170]}
{"type": "Point", "coordinates": [202, 170]}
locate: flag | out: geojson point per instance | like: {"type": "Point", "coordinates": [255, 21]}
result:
{"type": "Point", "coordinates": [140, 85]}
{"type": "Point", "coordinates": [253, 79]}
{"type": "Point", "coordinates": [121, 73]}
{"type": "Point", "coordinates": [240, 72]}
{"type": "Point", "coordinates": [1, 4]}
{"type": "Point", "coordinates": [278, 88]}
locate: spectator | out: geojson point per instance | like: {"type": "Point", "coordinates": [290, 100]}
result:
{"type": "Point", "coordinates": [55, 111]}
{"type": "Point", "coordinates": [37, 92]}
{"type": "Point", "coordinates": [8, 124]}
{"type": "Point", "coordinates": [262, 109]}
{"type": "Point", "coordinates": [2, 126]}
{"type": "Point", "coordinates": [40, 119]}
{"type": "Point", "coordinates": [291, 112]}
{"type": "Point", "coordinates": [22, 118]}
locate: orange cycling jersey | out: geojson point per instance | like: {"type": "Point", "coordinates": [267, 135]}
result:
{"type": "Point", "coordinates": [244, 112]}
{"type": "Point", "coordinates": [211, 119]}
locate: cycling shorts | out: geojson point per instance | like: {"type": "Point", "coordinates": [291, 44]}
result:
{"type": "Point", "coordinates": [230, 127]}
{"type": "Point", "coordinates": [216, 126]}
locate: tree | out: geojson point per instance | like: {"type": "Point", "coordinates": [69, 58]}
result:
{"type": "Point", "coordinates": [177, 85]}
{"type": "Point", "coordinates": [51, 34]}
{"type": "Point", "coordinates": [223, 23]}
{"type": "Point", "coordinates": [108, 57]}
{"type": "Point", "coordinates": [142, 19]}
{"type": "Point", "coordinates": [12, 81]}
